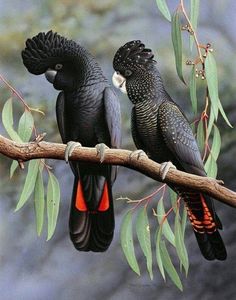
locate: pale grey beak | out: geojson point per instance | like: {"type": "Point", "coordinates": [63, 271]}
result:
{"type": "Point", "coordinates": [119, 82]}
{"type": "Point", "coordinates": [50, 75]}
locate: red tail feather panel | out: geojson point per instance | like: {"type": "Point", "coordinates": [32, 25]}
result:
{"type": "Point", "coordinates": [80, 203]}
{"type": "Point", "coordinates": [104, 204]}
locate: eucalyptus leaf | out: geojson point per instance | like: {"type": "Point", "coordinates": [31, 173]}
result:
{"type": "Point", "coordinates": [39, 202]}
{"type": "Point", "coordinates": [169, 267]}
{"type": "Point", "coordinates": [201, 135]}
{"type": "Point", "coordinates": [216, 143]}
{"type": "Point", "coordinates": [13, 167]}
{"type": "Point", "coordinates": [194, 13]}
{"type": "Point", "coordinates": [163, 8]}
{"type": "Point", "coordinates": [7, 120]}
{"type": "Point", "coordinates": [53, 201]}
{"type": "Point", "coordinates": [127, 243]}
{"type": "Point", "coordinates": [193, 90]}
{"type": "Point", "coordinates": [29, 183]}
{"type": "Point", "coordinates": [212, 82]}
{"type": "Point", "coordinates": [163, 221]}
{"type": "Point", "coordinates": [211, 166]}
{"type": "Point", "coordinates": [25, 127]}
{"type": "Point", "coordinates": [177, 43]}
{"type": "Point", "coordinates": [180, 246]}
{"type": "Point", "coordinates": [173, 199]}
{"type": "Point", "coordinates": [224, 115]}
{"type": "Point", "coordinates": [158, 253]}
{"type": "Point", "coordinates": [143, 233]}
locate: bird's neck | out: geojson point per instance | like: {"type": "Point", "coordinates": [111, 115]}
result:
{"type": "Point", "coordinates": [147, 87]}
{"type": "Point", "coordinates": [89, 71]}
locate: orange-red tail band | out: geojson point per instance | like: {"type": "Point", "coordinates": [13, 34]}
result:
{"type": "Point", "coordinates": [80, 203]}
{"type": "Point", "coordinates": [104, 204]}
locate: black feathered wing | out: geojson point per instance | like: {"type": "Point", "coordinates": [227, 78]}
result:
{"type": "Point", "coordinates": [179, 139]}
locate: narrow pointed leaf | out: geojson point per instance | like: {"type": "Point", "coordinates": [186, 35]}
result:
{"type": "Point", "coordinates": [216, 143]}
{"type": "Point", "coordinates": [177, 43]}
{"type": "Point", "coordinates": [210, 122]}
{"type": "Point", "coordinates": [53, 201]}
{"type": "Point", "coordinates": [211, 166]}
{"type": "Point", "coordinates": [180, 246]}
{"type": "Point", "coordinates": [143, 233]}
{"type": "Point", "coordinates": [184, 221]}
{"type": "Point", "coordinates": [163, 8]}
{"type": "Point", "coordinates": [212, 82]}
{"type": "Point", "coordinates": [169, 267]}
{"type": "Point", "coordinates": [193, 90]}
{"type": "Point", "coordinates": [127, 243]}
{"type": "Point", "coordinates": [13, 167]}
{"type": "Point", "coordinates": [158, 253]}
{"type": "Point", "coordinates": [7, 120]}
{"type": "Point", "coordinates": [224, 115]}
{"type": "Point", "coordinates": [25, 127]}
{"type": "Point", "coordinates": [166, 229]}
{"type": "Point", "coordinates": [173, 199]}
{"type": "Point", "coordinates": [194, 12]}
{"type": "Point", "coordinates": [200, 135]}
{"type": "Point", "coordinates": [29, 182]}
{"type": "Point", "coordinates": [39, 202]}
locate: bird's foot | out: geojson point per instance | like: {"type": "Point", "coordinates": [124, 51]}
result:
{"type": "Point", "coordinates": [70, 147]}
{"type": "Point", "coordinates": [165, 167]}
{"type": "Point", "coordinates": [138, 153]}
{"type": "Point", "coordinates": [101, 149]}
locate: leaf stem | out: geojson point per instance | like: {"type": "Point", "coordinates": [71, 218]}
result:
{"type": "Point", "coordinates": [198, 45]}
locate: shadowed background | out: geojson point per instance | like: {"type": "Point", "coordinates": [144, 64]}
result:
{"type": "Point", "coordinates": [30, 267]}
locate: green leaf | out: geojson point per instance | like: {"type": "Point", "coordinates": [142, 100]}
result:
{"type": "Point", "coordinates": [158, 253]}
{"type": "Point", "coordinates": [169, 267]}
{"type": "Point", "coordinates": [200, 135]}
{"type": "Point", "coordinates": [13, 167]}
{"type": "Point", "coordinates": [163, 8]}
{"type": "Point", "coordinates": [180, 246]}
{"type": "Point", "coordinates": [194, 12]}
{"type": "Point", "coordinates": [173, 199]}
{"type": "Point", "coordinates": [224, 115]}
{"type": "Point", "coordinates": [210, 122]}
{"type": "Point", "coordinates": [7, 120]}
{"type": "Point", "coordinates": [193, 90]}
{"type": "Point", "coordinates": [39, 202]}
{"type": "Point", "coordinates": [29, 182]}
{"type": "Point", "coordinates": [211, 166]}
{"type": "Point", "coordinates": [166, 229]}
{"type": "Point", "coordinates": [127, 244]}
{"type": "Point", "coordinates": [177, 43]}
{"type": "Point", "coordinates": [25, 127]}
{"type": "Point", "coordinates": [212, 82]}
{"type": "Point", "coordinates": [184, 221]}
{"type": "Point", "coordinates": [143, 233]}
{"type": "Point", "coordinates": [53, 201]}
{"type": "Point", "coordinates": [216, 143]}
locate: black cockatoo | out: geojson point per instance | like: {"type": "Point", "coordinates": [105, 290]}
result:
{"type": "Point", "coordinates": [160, 128]}
{"type": "Point", "coordinates": [88, 112]}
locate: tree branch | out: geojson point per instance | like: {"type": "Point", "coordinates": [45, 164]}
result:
{"type": "Point", "coordinates": [144, 165]}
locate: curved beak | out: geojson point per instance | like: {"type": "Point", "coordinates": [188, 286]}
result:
{"type": "Point", "coordinates": [50, 75]}
{"type": "Point", "coordinates": [119, 82]}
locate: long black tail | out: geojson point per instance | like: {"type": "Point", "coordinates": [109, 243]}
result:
{"type": "Point", "coordinates": [205, 224]}
{"type": "Point", "coordinates": [91, 230]}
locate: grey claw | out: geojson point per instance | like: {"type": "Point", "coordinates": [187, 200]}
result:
{"type": "Point", "coordinates": [101, 149]}
{"type": "Point", "coordinates": [70, 148]}
{"type": "Point", "coordinates": [138, 153]}
{"type": "Point", "coordinates": [165, 167]}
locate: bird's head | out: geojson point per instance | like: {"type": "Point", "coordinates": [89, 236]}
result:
{"type": "Point", "coordinates": [55, 56]}
{"type": "Point", "coordinates": [130, 62]}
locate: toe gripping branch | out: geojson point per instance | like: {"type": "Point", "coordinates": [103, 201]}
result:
{"type": "Point", "coordinates": [70, 147]}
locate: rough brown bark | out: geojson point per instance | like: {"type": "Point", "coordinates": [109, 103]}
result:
{"type": "Point", "coordinates": [27, 151]}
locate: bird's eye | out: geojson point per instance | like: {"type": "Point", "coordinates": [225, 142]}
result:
{"type": "Point", "coordinates": [58, 67]}
{"type": "Point", "coordinates": [128, 73]}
